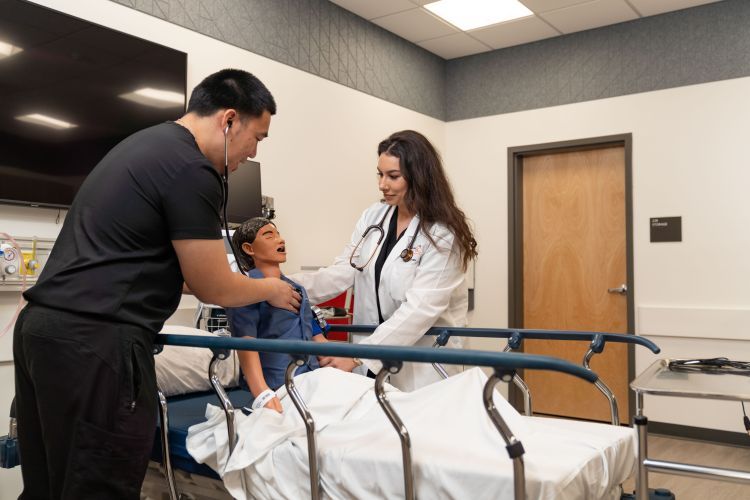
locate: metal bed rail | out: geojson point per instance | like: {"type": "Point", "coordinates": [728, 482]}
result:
{"type": "Point", "coordinates": [509, 332]}
{"type": "Point", "coordinates": [515, 337]}
{"type": "Point", "coordinates": [503, 364]}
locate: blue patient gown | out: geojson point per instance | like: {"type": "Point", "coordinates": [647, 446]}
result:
{"type": "Point", "coordinates": [264, 321]}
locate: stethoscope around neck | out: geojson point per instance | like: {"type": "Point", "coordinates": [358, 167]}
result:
{"type": "Point", "coordinates": [224, 185]}
{"type": "Point", "coordinates": [225, 193]}
{"type": "Point", "coordinates": [407, 254]}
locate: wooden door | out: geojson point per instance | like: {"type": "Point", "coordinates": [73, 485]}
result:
{"type": "Point", "coordinates": [574, 249]}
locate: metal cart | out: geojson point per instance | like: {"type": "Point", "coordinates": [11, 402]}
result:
{"type": "Point", "coordinates": [659, 380]}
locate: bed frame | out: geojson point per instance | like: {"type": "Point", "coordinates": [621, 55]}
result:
{"type": "Point", "coordinates": [504, 365]}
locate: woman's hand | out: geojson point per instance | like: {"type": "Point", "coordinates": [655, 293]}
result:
{"type": "Point", "coordinates": [345, 364]}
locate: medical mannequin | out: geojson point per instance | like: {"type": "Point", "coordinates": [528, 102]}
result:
{"type": "Point", "coordinates": [406, 259]}
{"type": "Point", "coordinates": [260, 251]}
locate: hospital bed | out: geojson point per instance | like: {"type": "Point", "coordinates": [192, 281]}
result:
{"type": "Point", "coordinates": [184, 411]}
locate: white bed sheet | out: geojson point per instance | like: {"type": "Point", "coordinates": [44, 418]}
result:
{"type": "Point", "coordinates": [456, 451]}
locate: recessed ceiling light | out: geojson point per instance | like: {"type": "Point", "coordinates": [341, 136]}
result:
{"type": "Point", "coordinates": [156, 97]}
{"type": "Point", "coordinates": [47, 121]}
{"type": "Point", "coordinates": [472, 14]}
{"type": "Point", "coordinates": [7, 50]}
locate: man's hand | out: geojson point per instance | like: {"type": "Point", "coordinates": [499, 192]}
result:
{"type": "Point", "coordinates": [207, 274]}
{"type": "Point", "coordinates": [345, 364]}
{"type": "Point", "coordinates": [283, 295]}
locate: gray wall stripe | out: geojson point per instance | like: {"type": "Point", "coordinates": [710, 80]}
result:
{"type": "Point", "coordinates": [321, 38]}
{"type": "Point", "coordinates": [691, 46]}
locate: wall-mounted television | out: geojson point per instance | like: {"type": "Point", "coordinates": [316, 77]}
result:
{"type": "Point", "coordinates": [70, 90]}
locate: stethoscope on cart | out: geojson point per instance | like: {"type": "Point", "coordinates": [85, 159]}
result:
{"type": "Point", "coordinates": [406, 254]}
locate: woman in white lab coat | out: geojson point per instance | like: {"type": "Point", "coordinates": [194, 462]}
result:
{"type": "Point", "coordinates": [406, 259]}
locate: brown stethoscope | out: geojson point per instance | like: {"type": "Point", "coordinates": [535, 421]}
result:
{"type": "Point", "coordinates": [406, 254]}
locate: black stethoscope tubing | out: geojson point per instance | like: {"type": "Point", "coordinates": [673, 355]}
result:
{"type": "Point", "coordinates": [407, 254]}
{"type": "Point", "coordinates": [225, 192]}
{"type": "Point", "coordinates": [378, 227]}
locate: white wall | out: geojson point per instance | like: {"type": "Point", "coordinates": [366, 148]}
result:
{"type": "Point", "coordinates": [689, 160]}
{"type": "Point", "coordinates": [318, 163]}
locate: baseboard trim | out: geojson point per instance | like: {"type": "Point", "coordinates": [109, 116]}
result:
{"type": "Point", "coordinates": [700, 433]}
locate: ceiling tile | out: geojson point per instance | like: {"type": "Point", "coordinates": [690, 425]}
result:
{"type": "Point", "coordinates": [422, 2]}
{"type": "Point", "coordinates": [528, 29]}
{"type": "Point", "coordinates": [415, 25]}
{"type": "Point", "coordinates": [452, 46]}
{"type": "Point", "coordinates": [650, 8]}
{"type": "Point", "coordinates": [369, 9]}
{"type": "Point", "coordinates": [590, 15]}
{"type": "Point", "coordinates": [545, 5]}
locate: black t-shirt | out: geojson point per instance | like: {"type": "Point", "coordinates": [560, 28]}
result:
{"type": "Point", "coordinates": [114, 258]}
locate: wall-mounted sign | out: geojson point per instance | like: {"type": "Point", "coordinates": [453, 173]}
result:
{"type": "Point", "coordinates": [666, 229]}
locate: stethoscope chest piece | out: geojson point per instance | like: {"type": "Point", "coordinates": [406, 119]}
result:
{"type": "Point", "coordinates": [407, 253]}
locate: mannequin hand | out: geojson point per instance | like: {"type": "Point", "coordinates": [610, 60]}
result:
{"type": "Point", "coordinates": [345, 364]}
{"type": "Point", "coordinates": [275, 404]}
{"type": "Point", "coordinates": [283, 295]}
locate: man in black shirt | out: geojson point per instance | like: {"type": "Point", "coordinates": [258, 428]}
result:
{"type": "Point", "coordinates": [145, 220]}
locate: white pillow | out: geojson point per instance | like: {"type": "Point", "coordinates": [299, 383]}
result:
{"type": "Point", "coordinates": [184, 370]}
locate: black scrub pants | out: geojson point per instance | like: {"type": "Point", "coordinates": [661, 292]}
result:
{"type": "Point", "coordinates": [86, 405]}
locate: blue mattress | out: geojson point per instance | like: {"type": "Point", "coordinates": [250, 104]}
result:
{"type": "Point", "coordinates": [185, 411]}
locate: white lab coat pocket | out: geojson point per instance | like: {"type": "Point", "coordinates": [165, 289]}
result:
{"type": "Point", "coordinates": [400, 278]}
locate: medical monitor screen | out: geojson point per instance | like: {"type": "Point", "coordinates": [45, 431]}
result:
{"type": "Point", "coordinates": [245, 200]}
{"type": "Point", "coordinates": [70, 91]}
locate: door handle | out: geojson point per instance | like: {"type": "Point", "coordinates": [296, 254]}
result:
{"type": "Point", "coordinates": [622, 289]}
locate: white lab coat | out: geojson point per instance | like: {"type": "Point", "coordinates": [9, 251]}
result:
{"type": "Point", "coordinates": [427, 291]}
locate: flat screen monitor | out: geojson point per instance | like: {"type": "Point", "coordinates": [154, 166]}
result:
{"type": "Point", "coordinates": [245, 201]}
{"type": "Point", "coordinates": [71, 90]}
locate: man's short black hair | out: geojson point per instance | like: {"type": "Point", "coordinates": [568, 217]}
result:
{"type": "Point", "coordinates": [231, 88]}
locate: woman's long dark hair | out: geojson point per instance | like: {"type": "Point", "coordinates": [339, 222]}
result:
{"type": "Point", "coordinates": [429, 193]}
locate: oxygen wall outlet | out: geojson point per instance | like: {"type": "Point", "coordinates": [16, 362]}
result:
{"type": "Point", "coordinates": [9, 261]}
{"type": "Point", "coordinates": [29, 263]}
